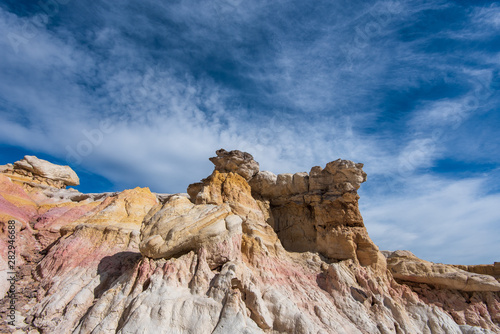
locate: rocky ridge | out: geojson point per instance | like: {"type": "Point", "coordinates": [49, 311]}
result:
{"type": "Point", "coordinates": [245, 251]}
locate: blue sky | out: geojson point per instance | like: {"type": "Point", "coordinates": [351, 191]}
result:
{"type": "Point", "coordinates": [141, 93]}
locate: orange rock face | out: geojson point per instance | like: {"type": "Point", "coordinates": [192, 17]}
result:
{"type": "Point", "coordinates": [319, 212]}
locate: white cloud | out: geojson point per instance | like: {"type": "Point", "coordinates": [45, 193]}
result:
{"type": "Point", "coordinates": [163, 122]}
{"type": "Point", "coordinates": [440, 220]}
{"type": "Point", "coordinates": [487, 15]}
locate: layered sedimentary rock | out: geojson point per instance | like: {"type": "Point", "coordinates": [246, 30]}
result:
{"type": "Point", "coordinates": [178, 227]}
{"type": "Point", "coordinates": [483, 269]}
{"type": "Point", "coordinates": [319, 211]}
{"type": "Point", "coordinates": [74, 231]}
{"type": "Point", "coordinates": [469, 297]}
{"type": "Point", "coordinates": [32, 169]}
{"type": "Point", "coordinates": [246, 251]}
{"type": "Point", "coordinates": [405, 266]}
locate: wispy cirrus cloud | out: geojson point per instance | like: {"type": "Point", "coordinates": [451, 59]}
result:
{"type": "Point", "coordinates": [446, 221]}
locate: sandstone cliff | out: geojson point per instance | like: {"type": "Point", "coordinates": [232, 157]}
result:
{"type": "Point", "coordinates": [245, 251]}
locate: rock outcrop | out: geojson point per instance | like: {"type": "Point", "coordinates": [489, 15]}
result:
{"type": "Point", "coordinates": [238, 162]}
{"type": "Point", "coordinates": [469, 297]}
{"type": "Point", "coordinates": [319, 211]}
{"type": "Point", "coordinates": [178, 227]}
{"type": "Point", "coordinates": [32, 169]}
{"type": "Point", "coordinates": [315, 212]}
{"type": "Point", "coordinates": [232, 189]}
{"type": "Point", "coordinates": [483, 269]}
{"type": "Point", "coordinates": [405, 266]}
{"type": "Point", "coordinates": [62, 237]}
{"type": "Point", "coordinates": [245, 251]}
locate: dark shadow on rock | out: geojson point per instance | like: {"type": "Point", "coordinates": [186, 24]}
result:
{"type": "Point", "coordinates": [112, 267]}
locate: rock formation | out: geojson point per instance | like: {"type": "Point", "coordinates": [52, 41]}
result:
{"type": "Point", "coordinates": [178, 227]}
{"type": "Point", "coordinates": [319, 212]}
{"type": "Point", "coordinates": [469, 297]}
{"type": "Point", "coordinates": [32, 169]}
{"type": "Point", "coordinates": [245, 251]}
{"type": "Point", "coordinates": [405, 266]}
{"type": "Point", "coordinates": [238, 162]}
